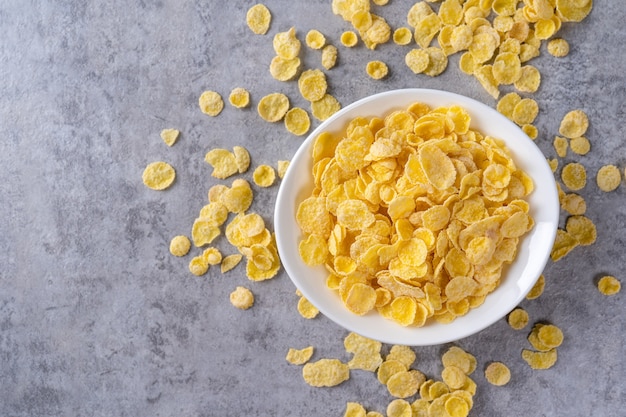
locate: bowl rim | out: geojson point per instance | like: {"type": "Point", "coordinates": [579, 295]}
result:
{"type": "Point", "coordinates": [542, 242]}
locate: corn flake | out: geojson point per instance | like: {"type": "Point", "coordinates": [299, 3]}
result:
{"type": "Point", "coordinates": [211, 103]}
{"type": "Point", "coordinates": [582, 229]}
{"type": "Point", "coordinates": [497, 374]}
{"type": "Point", "coordinates": [574, 124]}
{"type": "Point", "coordinates": [286, 44]}
{"type": "Point", "coordinates": [230, 262]}
{"type": "Point", "coordinates": [312, 85]}
{"type": "Point", "coordinates": [403, 384]}
{"type": "Point", "coordinates": [349, 39]}
{"type": "Point", "coordinates": [608, 178]}
{"type": "Point", "coordinates": [354, 410]}
{"type": "Point", "coordinates": [558, 48]}
{"type": "Point", "coordinates": [329, 56]}
{"type": "Point", "coordinates": [180, 245]}
{"type": "Point", "coordinates": [242, 298]}
{"type": "Point", "coordinates": [284, 69]}
{"type": "Point", "coordinates": [376, 69]}
{"type": "Point", "coordinates": [273, 107]}
{"type": "Point", "coordinates": [540, 360]}
{"type": "Point", "coordinates": [574, 176]}
{"type": "Point", "coordinates": [525, 111]}
{"type": "Point", "coordinates": [306, 309]}
{"type": "Point", "coordinates": [158, 175]}
{"type": "Point", "coordinates": [258, 19]}
{"type": "Point", "coordinates": [417, 60]}
{"type": "Point", "coordinates": [299, 356]}
{"type": "Point", "coordinates": [399, 408]}
{"type": "Point", "coordinates": [609, 285]}
{"type": "Point", "coordinates": [325, 373]}
{"type": "Point", "coordinates": [224, 163]}
{"type": "Point", "coordinates": [518, 318]}
{"type": "Point", "coordinates": [403, 354]}
{"type": "Point", "coordinates": [239, 97]}
{"type": "Point", "coordinates": [198, 266]}
{"type": "Point", "coordinates": [315, 39]}
{"type": "Point", "coordinates": [402, 36]}
{"type": "Point", "coordinates": [169, 136]}
{"type": "Point", "coordinates": [281, 168]}
{"type": "Point", "coordinates": [325, 107]}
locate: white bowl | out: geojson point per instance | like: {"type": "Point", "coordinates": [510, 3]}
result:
{"type": "Point", "coordinates": [518, 278]}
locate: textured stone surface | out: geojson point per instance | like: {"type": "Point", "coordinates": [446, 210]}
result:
{"type": "Point", "coordinates": [97, 319]}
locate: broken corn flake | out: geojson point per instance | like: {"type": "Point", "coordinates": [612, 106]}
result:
{"type": "Point", "coordinates": [315, 39]}
{"type": "Point", "coordinates": [281, 168]}
{"type": "Point", "coordinates": [574, 124]}
{"type": "Point", "coordinates": [325, 373]}
{"type": "Point", "coordinates": [402, 36]}
{"type": "Point", "coordinates": [223, 161]}
{"type": "Point", "coordinates": [306, 309]}
{"type": "Point", "coordinates": [264, 176]}
{"type": "Point", "coordinates": [497, 374]}
{"type": "Point", "coordinates": [299, 356]}
{"type": "Point", "coordinates": [609, 285]}
{"type": "Point", "coordinates": [211, 103]}
{"type": "Point", "coordinates": [239, 97]}
{"type": "Point", "coordinates": [564, 243]}
{"type": "Point", "coordinates": [229, 262]}
{"type": "Point", "coordinates": [242, 298]}
{"type": "Point", "coordinates": [560, 146]}
{"type": "Point", "coordinates": [540, 360]}
{"type": "Point", "coordinates": [574, 176]}
{"type": "Point", "coordinates": [329, 56]}
{"type": "Point", "coordinates": [158, 175]}
{"type": "Point", "coordinates": [169, 136]}
{"type": "Point", "coordinates": [273, 107]}
{"type": "Point", "coordinates": [258, 19]}
{"type": "Point", "coordinates": [377, 69]}
{"type": "Point", "coordinates": [537, 289]}
{"type": "Point", "coordinates": [582, 229]}
{"type": "Point", "coordinates": [242, 158]}
{"type": "Point", "coordinates": [608, 178]}
{"type": "Point", "coordinates": [349, 39]}
{"type": "Point", "coordinates": [297, 121]}
{"type": "Point", "coordinates": [518, 318]}
{"type": "Point", "coordinates": [286, 44]}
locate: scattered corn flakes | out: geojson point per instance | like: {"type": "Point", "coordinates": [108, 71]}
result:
{"type": "Point", "coordinates": [297, 121]}
{"type": "Point", "coordinates": [529, 79]}
{"type": "Point", "coordinates": [239, 97]}
{"type": "Point", "coordinates": [223, 161]}
{"type": "Point", "coordinates": [198, 266]}
{"type": "Point", "coordinates": [608, 178]}
{"type": "Point", "coordinates": [558, 47]}
{"type": "Point", "coordinates": [212, 256]}
{"type": "Point", "coordinates": [169, 136]}
{"type": "Point", "coordinates": [609, 285]}
{"type": "Point", "coordinates": [325, 373]}
{"type": "Point", "coordinates": [574, 124]}
{"type": "Point", "coordinates": [580, 145]}
{"type": "Point", "coordinates": [403, 354]}
{"type": "Point", "coordinates": [417, 60]}
{"type": "Point", "coordinates": [315, 39]}
{"type": "Point", "coordinates": [229, 262]}
{"type": "Point", "coordinates": [158, 175]}
{"type": "Point", "coordinates": [497, 374]}
{"type": "Point", "coordinates": [564, 243]}
{"type": "Point", "coordinates": [242, 298]}
{"type": "Point", "coordinates": [537, 289]}
{"type": "Point", "coordinates": [258, 19]}
{"type": "Point", "coordinates": [376, 69]}
{"type": "Point", "coordinates": [582, 229]}
{"type": "Point", "coordinates": [264, 176]}
{"type": "Point", "coordinates": [286, 44]}
{"type": "Point", "coordinates": [518, 318]}
{"type": "Point", "coordinates": [550, 336]}
{"type": "Point", "coordinates": [525, 111]}
{"type": "Point", "coordinates": [540, 360]}
{"type": "Point", "coordinates": [299, 356]}
{"type": "Point", "coordinates": [329, 56]}
{"type": "Point", "coordinates": [180, 245]}
{"type": "Point", "coordinates": [574, 176]}
{"type": "Point", "coordinates": [211, 103]}
{"type": "Point", "coordinates": [349, 39]}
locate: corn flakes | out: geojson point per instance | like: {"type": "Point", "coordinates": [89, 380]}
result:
{"type": "Point", "coordinates": [242, 158]}
{"type": "Point", "coordinates": [399, 408]}
{"type": "Point", "coordinates": [239, 97]}
{"type": "Point", "coordinates": [312, 85]}
{"type": "Point", "coordinates": [325, 373]}
{"type": "Point", "coordinates": [402, 36]}
{"type": "Point", "coordinates": [560, 146]}
{"type": "Point", "coordinates": [273, 107]}
{"type": "Point", "coordinates": [224, 163]}
{"type": "Point", "coordinates": [537, 289]}
{"type": "Point", "coordinates": [574, 176]}
{"type": "Point", "coordinates": [258, 19]}
{"type": "Point", "coordinates": [325, 107]}
{"type": "Point", "coordinates": [286, 44]}
{"type": "Point", "coordinates": [573, 204]}
{"type": "Point", "coordinates": [169, 136]}
{"type": "Point", "coordinates": [558, 48]}
{"type": "Point", "coordinates": [329, 56]}
{"type": "Point", "coordinates": [354, 410]}
{"type": "Point", "coordinates": [158, 175]}
{"type": "Point", "coordinates": [198, 266]}
{"type": "Point", "coordinates": [564, 243]}
{"type": "Point", "coordinates": [281, 168]}
{"type": "Point", "coordinates": [540, 360]}
{"type": "Point", "coordinates": [306, 309]}
{"type": "Point", "coordinates": [299, 356]}
{"type": "Point", "coordinates": [180, 245]}
{"type": "Point", "coordinates": [580, 145]}
{"type": "Point", "coordinates": [211, 103]}
{"type": "Point", "coordinates": [212, 256]}
{"type": "Point", "coordinates": [525, 111]}
{"type": "Point", "coordinates": [574, 124]}
{"type": "Point", "coordinates": [582, 229]}
{"type": "Point", "coordinates": [608, 178]}
{"type": "Point", "coordinates": [403, 354]}
{"type": "Point", "coordinates": [376, 69]}
{"type": "Point", "coordinates": [349, 39]}
{"type": "Point", "coordinates": [437, 61]}
{"type": "Point", "coordinates": [284, 69]}
{"type": "Point", "coordinates": [315, 39]}
{"type": "Point", "coordinates": [497, 374]}
{"type": "Point", "coordinates": [230, 262]}
{"type": "Point", "coordinates": [609, 285]}
{"type": "Point", "coordinates": [242, 298]}
{"type": "Point", "coordinates": [417, 60]}
{"type": "Point", "coordinates": [403, 384]}
{"type": "Point", "coordinates": [518, 318]}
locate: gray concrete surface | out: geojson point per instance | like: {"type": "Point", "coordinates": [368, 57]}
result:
{"type": "Point", "coordinates": [98, 319]}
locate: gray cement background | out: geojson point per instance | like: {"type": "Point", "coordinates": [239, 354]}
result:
{"type": "Point", "coordinates": [98, 319]}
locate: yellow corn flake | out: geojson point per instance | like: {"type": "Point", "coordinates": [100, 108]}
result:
{"type": "Point", "coordinates": [574, 176]}
{"type": "Point", "coordinates": [239, 97]}
{"type": "Point", "coordinates": [454, 377]}
{"type": "Point", "coordinates": [204, 231]}
{"type": "Point", "coordinates": [550, 336]}
{"type": "Point", "coordinates": [230, 262]}
{"type": "Point", "coordinates": [608, 178]}
{"type": "Point", "coordinates": [580, 145]}
{"type": "Point", "coordinates": [437, 61]}
{"type": "Point", "coordinates": [324, 108]}
{"type": "Point", "coordinates": [215, 193]}
{"type": "Point", "coordinates": [297, 121]}
{"type": "Point", "coordinates": [563, 244]}
{"type": "Point", "coordinates": [158, 175]}
{"type": "Point", "coordinates": [354, 410]}
{"type": "Point", "coordinates": [554, 164]}
{"type": "Point", "coordinates": [169, 136]}
{"type": "Point", "coordinates": [180, 245]}
{"type": "Point", "coordinates": [573, 11]}
{"type": "Point", "coordinates": [531, 131]}
{"type": "Point", "coordinates": [609, 285]}
{"type": "Point", "coordinates": [403, 354]}
{"type": "Point", "coordinates": [403, 384]}
{"type": "Point", "coordinates": [402, 36]}
{"type": "Point", "coordinates": [378, 33]}
{"type": "Point", "coordinates": [518, 318]}
{"type": "Point", "coordinates": [529, 79]}
{"type": "Point", "coordinates": [284, 69]}
{"type": "Point", "coordinates": [389, 368]}
{"type": "Point", "coordinates": [315, 39]}
{"type": "Point", "coordinates": [312, 85]}
{"type": "Point", "coordinates": [258, 19]}
{"type": "Point", "coordinates": [426, 29]}
{"type": "Point", "coordinates": [281, 168]}
{"type": "Point", "coordinates": [540, 360]}
{"type": "Point", "coordinates": [558, 47]}
{"type": "Point", "coordinates": [263, 266]}
{"type": "Point", "coordinates": [273, 107]}
{"type": "Point", "coordinates": [242, 298]}
{"type": "Point", "coordinates": [459, 288]}
{"type": "Point", "coordinates": [525, 111]}
{"type": "Point", "coordinates": [211, 103]}
{"type": "Point", "coordinates": [582, 229]}
{"type": "Point", "coordinates": [354, 215]}
{"type": "Point", "coordinates": [507, 68]}
{"type": "Point", "coordinates": [537, 289]}
{"type": "Point", "coordinates": [437, 167]}
{"type": "Point", "coordinates": [574, 124]}
{"type": "Point", "coordinates": [212, 256]}
{"type": "Point", "coordinates": [361, 299]}
{"type": "Point", "coordinates": [306, 309]}
{"type": "Point", "coordinates": [223, 161]}
{"type": "Point", "coordinates": [484, 75]}
{"type": "Point", "coordinates": [325, 373]}
{"type": "Point", "coordinates": [329, 56]}
{"type": "Point", "coordinates": [349, 39]}
{"type": "Point", "coordinates": [313, 217]}
{"type": "Point", "coordinates": [299, 356]}
{"type": "Point", "coordinates": [376, 69]}
{"type": "Point", "coordinates": [467, 63]}
{"type": "Point", "coordinates": [417, 60]}
{"type": "Point", "coordinates": [497, 374]}
{"type": "Point", "coordinates": [242, 158]}
{"type": "Point", "coordinates": [399, 408]}
{"type": "Point", "coordinates": [573, 204]}
{"type": "Point", "coordinates": [286, 44]}
{"type": "Point", "coordinates": [313, 250]}
{"type": "Point", "coordinates": [238, 197]}
{"type": "Point", "coordinates": [560, 146]}
{"type": "Point", "coordinates": [506, 105]}
{"type": "Point", "coordinates": [198, 266]}
{"type": "Point", "coordinates": [455, 356]}
{"type": "Point", "coordinates": [456, 406]}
